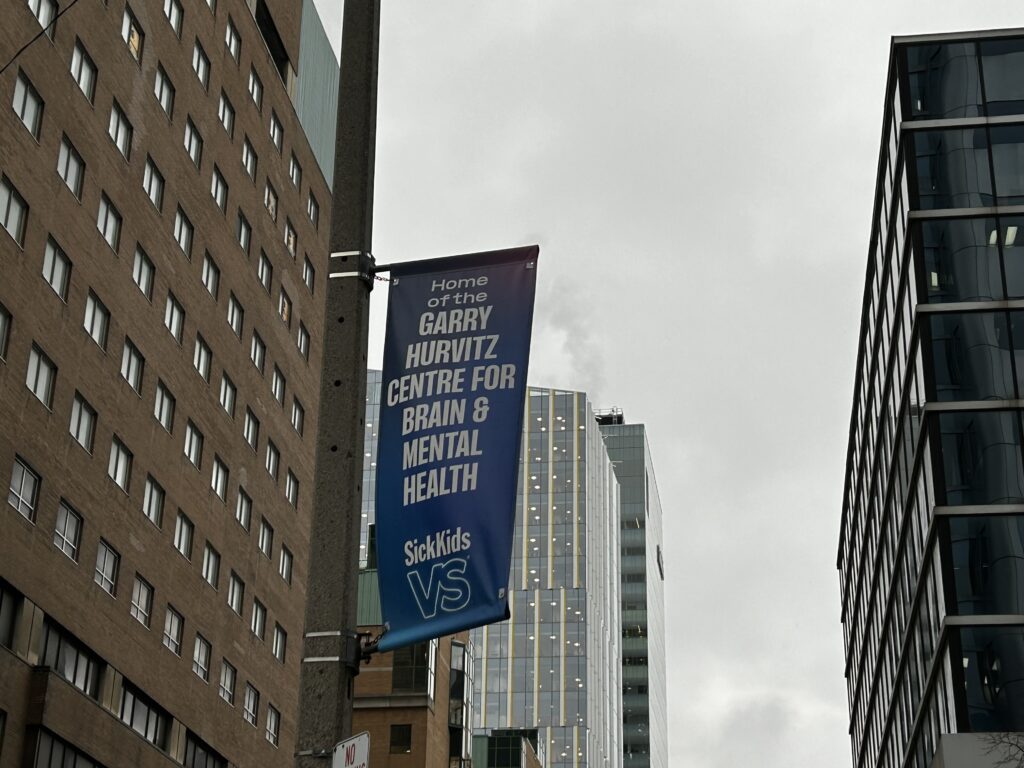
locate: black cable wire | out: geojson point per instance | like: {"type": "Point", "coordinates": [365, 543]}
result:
{"type": "Point", "coordinates": [42, 32]}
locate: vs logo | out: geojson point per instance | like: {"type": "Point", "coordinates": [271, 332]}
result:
{"type": "Point", "coordinates": [445, 587]}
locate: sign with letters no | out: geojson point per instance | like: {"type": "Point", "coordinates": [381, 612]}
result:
{"type": "Point", "coordinates": [353, 752]}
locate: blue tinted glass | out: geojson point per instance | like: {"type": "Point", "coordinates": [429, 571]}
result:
{"type": "Point", "coordinates": [1008, 163]}
{"type": "Point", "coordinates": [1002, 62]}
{"type": "Point", "coordinates": [961, 261]}
{"type": "Point", "coordinates": [944, 81]}
{"type": "Point", "coordinates": [993, 666]}
{"type": "Point", "coordinates": [1011, 238]}
{"type": "Point", "coordinates": [988, 563]}
{"type": "Point", "coordinates": [952, 168]}
{"type": "Point", "coordinates": [972, 357]}
{"type": "Point", "coordinates": [981, 457]}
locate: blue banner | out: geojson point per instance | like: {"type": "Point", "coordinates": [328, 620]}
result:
{"type": "Point", "coordinates": [450, 428]}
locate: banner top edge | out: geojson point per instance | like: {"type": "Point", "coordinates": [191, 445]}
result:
{"type": "Point", "coordinates": [463, 261]}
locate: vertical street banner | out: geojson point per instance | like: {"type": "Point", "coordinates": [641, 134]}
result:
{"type": "Point", "coordinates": [452, 397]}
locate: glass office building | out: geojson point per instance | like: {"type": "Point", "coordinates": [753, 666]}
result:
{"type": "Point", "coordinates": [931, 552]}
{"type": "Point", "coordinates": [644, 715]}
{"type": "Point", "coordinates": [555, 665]}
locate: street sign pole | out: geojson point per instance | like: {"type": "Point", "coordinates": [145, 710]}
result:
{"type": "Point", "coordinates": [330, 648]}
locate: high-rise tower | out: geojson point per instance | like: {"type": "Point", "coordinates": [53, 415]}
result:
{"type": "Point", "coordinates": [932, 538]}
{"type": "Point", "coordinates": [644, 704]}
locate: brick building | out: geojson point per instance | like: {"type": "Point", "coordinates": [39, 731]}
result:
{"type": "Point", "coordinates": [164, 212]}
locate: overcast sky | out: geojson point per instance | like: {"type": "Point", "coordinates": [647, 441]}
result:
{"type": "Point", "coordinates": [699, 178]}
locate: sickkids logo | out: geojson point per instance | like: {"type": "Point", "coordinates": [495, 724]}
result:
{"type": "Point", "coordinates": [442, 586]}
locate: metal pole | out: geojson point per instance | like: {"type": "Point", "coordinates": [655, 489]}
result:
{"type": "Point", "coordinates": [330, 647]}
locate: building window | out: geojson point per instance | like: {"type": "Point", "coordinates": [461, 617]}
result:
{"type": "Point", "coordinates": [273, 459]}
{"type": "Point", "coordinates": [211, 275]}
{"type": "Point", "coordinates": [28, 104]}
{"type": "Point", "coordinates": [273, 724]}
{"type": "Point", "coordinates": [193, 444]}
{"type": "Point", "coordinates": [291, 489]}
{"type": "Point", "coordinates": [183, 232]}
{"type": "Point", "coordinates": [401, 739]}
{"type": "Point", "coordinates": [211, 565]}
{"type": "Point", "coordinates": [174, 14]}
{"type": "Point", "coordinates": [284, 307]}
{"type": "Point", "coordinates": [303, 342]}
{"type": "Point", "coordinates": [232, 40]}
{"type": "Point", "coordinates": [249, 158]}
{"type": "Point", "coordinates": [71, 167]}
{"type": "Point", "coordinates": [193, 142]}
{"type": "Point", "coordinates": [13, 211]}
{"type": "Point", "coordinates": [119, 468]}
{"type": "Point", "coordinates": [144, 717]}
{"type": "Point", "coordinates": [236, 593]}
{"type": "Point", "coordinates": [201, 358]}
{"type": "Point", "coordinates": [295, 171]}
{"type": "Point", "coordinates": [45, 12]}
{"type": "Point", "coordinates": [251, 705]}
{"type": "Point", "coordinates": [153, 501]}
{"type": "Point", "coordinates": [108, 221]}
{"type": "Point", "coordinates": [163, 406]}
{"type": "Point", "coordinates": [276, 130]}
{"type": "Point", "coordinates": [173, 626]}
{"type": "Point", "coordinates": [278, 385]}
{"type": "Point", "coordinates": [107, 562]}
{"type": "Point", "coordinates": [163, 89]}
{"type": "Point", "coordinates": [243, 509]}
{"type": "Point", "coordinates": [227, 395]}
{"type": "Point", "coordinates": [120, 130]}
{"type": "Point", "coordinates": [243, 232]}
{"type": "Point", "coordinates": [291, 238]}
{"type": "Point", "coordinates": [313, 209]}
{"type": "Point", "coordinates": [201, 658]}
{"type": "Point", "coordinates": [308, 274]}
{"type": "Point", "coordinates": [132, 34]}
{"type": "Point", "coordinates": [264, 271]}
{"type": "Point", "coordinates": [74, 662]}
{"type": "Point", "coordinates": [41, 375]}
{"type": "Point", "coordinates": [284, 564]}
{"type": "Point", "coordinates": [280, 645]}
{"type": "Point", "coordinates": [183, 533]}
{"type": "Point", "coordinates": [257, 351]}
{"type": "Point", "coordinates": [198, 754]}
{"type": "Point", "coordinates": [83, 70]}
{"type": "Point", "coordinates": [256, 89]}
{"type": "Point", "coordinates": [5, 330]}
{"type": "Point", "coordinates": [298, 416]}
{"type": "Point", "coordinates": [219, 189]}
{"type": "Point", "coordinates": [236, 315]}
{"type": "Point", "coordinates": [219, 478]}
{"type": "Point", "coordinates": [68, 531]}
{"type": "Point", "coordinates": [143, 272]}
{"type": "Point", "coordinates": [201, 64]}
{"type": "Point", "coordinates": [24, 489]}
{"type": "Point", "coordinates": [97, 320]}
{"type": "Point", "coordinates": [142, 601]}
{"type": "Point", "coordinates": [132, 365]}
{"type": "Point", "coordinates": [174, 317]}
{"type": "Point", "coordinates": [413, 668]}
{"type": "Point", "coordinates": [153, 184]}
{"type": "Point", "coordinates": [83, 422]}
{"type": "Point", "coordinates": [226, 113]}
{"type": "Point", "coordinates": [251, 428]}
{"type": "Point", "coordinates": [270, 200]}
{"type": "Point", "coordinates": [227, 682]}
{"type": "Point", "coordinates": [266, 540]}
{"type": "Point", "coordinates": [258, 623]}
{"type": "Point", "coordinates": [56, 268]}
